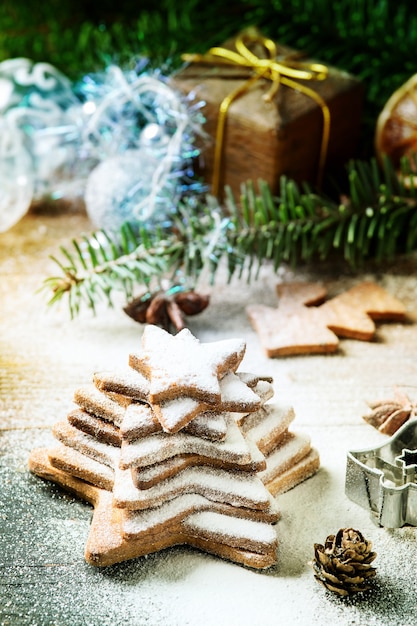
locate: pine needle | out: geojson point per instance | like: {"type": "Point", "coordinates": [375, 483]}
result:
{"type": "Point", "coordinates": [377, 222]}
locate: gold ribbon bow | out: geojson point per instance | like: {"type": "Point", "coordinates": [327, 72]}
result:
{"type": "Point", "coordinates": [285, 71]}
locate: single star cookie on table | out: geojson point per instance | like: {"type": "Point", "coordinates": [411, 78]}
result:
{"type": "Point", "coordinates": [352, 313]}
{"type": "Point", "coordinates": [304, 324]}
{"type": "Point", "coordinates": [286, 333]}
{"type": "Point", "coordinates": [181, 365]}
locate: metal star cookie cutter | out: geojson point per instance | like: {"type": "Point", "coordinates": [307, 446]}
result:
{"type": "Point", "coordinates": [383, 480]}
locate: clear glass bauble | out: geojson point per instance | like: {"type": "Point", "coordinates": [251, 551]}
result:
{"type": "Point", "coordinates": [130, 187]}
{"type": "Point", "coordinates": [16, 177]}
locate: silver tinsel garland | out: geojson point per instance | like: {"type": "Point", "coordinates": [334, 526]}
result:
{"type": "Point", "coordinates": [123, 139]}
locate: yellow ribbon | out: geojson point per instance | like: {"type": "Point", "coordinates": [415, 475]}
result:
{"type": "Point", "coordinates": [286, 71]}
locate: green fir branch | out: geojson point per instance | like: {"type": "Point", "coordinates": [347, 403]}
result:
{"type": "Point", "coordinates": [94, 268]}
{"type": "Point", "coordinates": [378, 220]}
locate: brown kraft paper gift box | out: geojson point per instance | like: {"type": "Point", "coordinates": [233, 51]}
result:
{"type": "Point", "coordinates": [265, 140]}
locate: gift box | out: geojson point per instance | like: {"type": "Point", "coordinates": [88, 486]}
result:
{"type": "Point", "coordinates": [263, 120]}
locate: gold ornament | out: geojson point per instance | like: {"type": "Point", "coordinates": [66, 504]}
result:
{"type": "Point", "coordinates": [396, 129]}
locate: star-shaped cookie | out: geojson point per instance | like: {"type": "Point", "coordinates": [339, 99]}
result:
{"type": "Point", "coordinates": [131, 388]}
{"type": "Point", "coordinates": [304, 324]}
{"type": "Point", "coordinates": [194, 521]}
{"type": "Point", "coordinates": [181, 365]}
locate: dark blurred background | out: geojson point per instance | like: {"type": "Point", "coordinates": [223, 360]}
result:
{"type": "Point", "coordinates": [373, 39]}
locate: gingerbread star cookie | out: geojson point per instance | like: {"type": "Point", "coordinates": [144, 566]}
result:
{"type": "Point", "coordinates": [304, 324]}
{"type": "Point", "coordinates": [236, 394]}
{"type": "Point", "coordinates": [115, 537]}
{"type": "Point", "coordinates": [196, 375]}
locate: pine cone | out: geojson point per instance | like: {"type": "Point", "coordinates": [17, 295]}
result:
{"type": "Point", "coordinates": [166, 309]}
{"type": "Point", "coordinates": [343, 564]}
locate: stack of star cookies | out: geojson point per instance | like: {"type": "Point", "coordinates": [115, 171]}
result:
{"type": "Point", "coordinates": [180, 448]}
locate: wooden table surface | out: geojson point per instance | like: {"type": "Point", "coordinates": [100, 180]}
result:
{"type": "Point", "coordinates": [45, 356]}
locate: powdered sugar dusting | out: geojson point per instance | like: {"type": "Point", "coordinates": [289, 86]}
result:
{"type": "Point", "coordinates": [128, 382]}
{"type": "Point", "coordinates": [86, 444]}
{"type": "Point", "coordinates": [257, 535]}
{"type": "Point", "coordinates": [159, 447]}
{"type": "Point", "coordinates": [138, 523]}
{"type": "Point", "coordinates": [236, 395]}
{"type": "Point", "coordinates": [138, 421]}
{"type": "Point", "coordinates": [215, 484]}
{"type": "Point", "coordinates": [208, 425]}
{"type": "Point", "coordinates": [284, 457]}
{"type": "Point", "coordinates": [174, 414]}
{"type": "Point", "coordinates": [90, 399]}
{"type": "Point", "coordinates": [197, 375]}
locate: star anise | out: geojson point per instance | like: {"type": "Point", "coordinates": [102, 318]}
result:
{"type": "Point", "coordinates": [390, 414]}
{"type": "Point", "coordinates": [166, 309]}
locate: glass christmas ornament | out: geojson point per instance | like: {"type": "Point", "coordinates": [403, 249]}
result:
{"type": "Point", "coordinates": [37, 100]}
{"type": "Point", "coordinates": [145, 182]}
{"type": "Point", "coordinates": [123, 138]}
{"type": "Point", "coordinates": [130, 187]}
{"type": "Point", "coordinates": [16, 177]}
